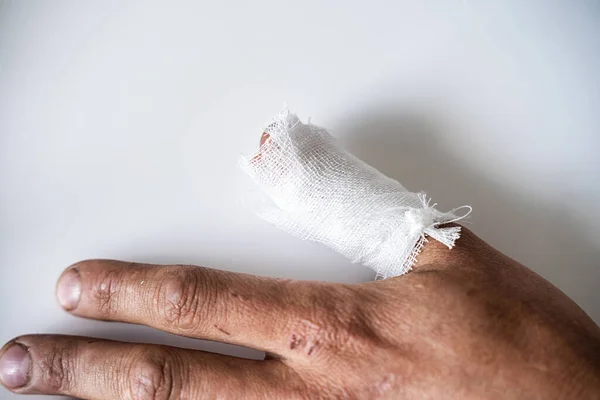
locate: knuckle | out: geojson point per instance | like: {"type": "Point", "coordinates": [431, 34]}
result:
{"type": "Point", "coordinates": [58, 367]}
{"type": "Point", "coordinates": [362, 324]}
{"type": "Point", "coordinates": [359, 332]}
{"type": "Point", "coordinates": [186, 297]}
{"type": "Point", "coordinates": [105, 292]}
{"type": "Point", "coordinates": [152, 376]}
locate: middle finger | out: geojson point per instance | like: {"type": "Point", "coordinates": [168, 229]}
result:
{"type": "Point", "coordinates": [197, 302]}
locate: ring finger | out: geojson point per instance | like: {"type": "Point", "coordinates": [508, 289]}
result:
{"type": "Point", "coordinates": [102, 369]}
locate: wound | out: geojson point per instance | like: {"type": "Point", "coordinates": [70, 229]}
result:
{"type": "Point", "coordinates": [312, 348]}
{"type": "Point", "coordinates": [223, 330]}
{"type": "Point", "coordinates": [295, 341]}
{"type": "Point", "coordinates": [306, 338]}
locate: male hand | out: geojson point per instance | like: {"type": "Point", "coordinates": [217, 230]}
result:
{"type": "Point", "coordinates": [466, 323]}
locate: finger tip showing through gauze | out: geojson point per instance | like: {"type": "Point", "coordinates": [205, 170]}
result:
{"type": "Point", "coordinates": [320, 192]}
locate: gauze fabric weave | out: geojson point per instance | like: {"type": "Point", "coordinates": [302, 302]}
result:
{"type": "Point", "coordinates": [318, 191]}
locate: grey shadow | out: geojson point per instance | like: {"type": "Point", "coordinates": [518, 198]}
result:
{"type": "Point", "coordinates": [406, 147]}
{"type": "Point", "coordinates": [142, 334]}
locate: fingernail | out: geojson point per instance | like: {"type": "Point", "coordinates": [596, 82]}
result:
{"type": "Point", "coordinates": [68, 290]}
{"type": "Point", "coordinates": [14, 366]}
{"type": "Point", "coordinates": [264, 138]}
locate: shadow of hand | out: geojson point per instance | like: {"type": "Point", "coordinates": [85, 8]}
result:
{"type": "Point", "coordinates": [407, 147]}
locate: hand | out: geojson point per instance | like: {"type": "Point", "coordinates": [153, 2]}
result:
{"type": "Point", "coordinates": [467, 323]}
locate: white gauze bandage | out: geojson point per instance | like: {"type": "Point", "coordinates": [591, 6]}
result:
{"type": "Point", "coordinates": [318, 191]}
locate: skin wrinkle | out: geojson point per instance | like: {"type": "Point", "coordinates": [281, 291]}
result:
{"type": "Point", "coordinates": [57, 370]}
{"type": "Point", "coordinates": [106, 292]}
{"type": "Point", "coordinates": [151, 377]}
{"type": "Point", "coordinates": [183, 307]}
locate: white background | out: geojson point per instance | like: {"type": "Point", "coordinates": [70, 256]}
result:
{"type": "Point", "coordinates": [121, 124]}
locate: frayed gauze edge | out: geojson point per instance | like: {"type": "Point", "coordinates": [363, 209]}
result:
{"type": "Point", "coordinates": [314, 189]}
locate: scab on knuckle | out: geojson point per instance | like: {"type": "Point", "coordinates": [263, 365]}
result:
{"type": "Point", "coordinates": [105, 292]}
{"type": "Point", "coordinates": [309, 338]}
{"type": "Point", "coordinates": [57, 369]}
{"type": "Point", "coordinates": [152, 377]}
{"type": "Point", "coordinates": [183, 298]}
